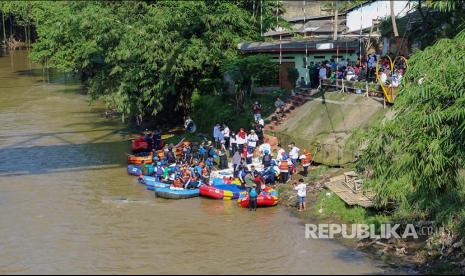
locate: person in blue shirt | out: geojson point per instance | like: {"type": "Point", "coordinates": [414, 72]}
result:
{"type": "Point", "coordinates": [269, 175]}
{"type": "Point", "coordinates": [203, 152]}
{"type": "Point", "coordinates": [253, 198]}
{"type": "Point", "coordinates": [242, 173]}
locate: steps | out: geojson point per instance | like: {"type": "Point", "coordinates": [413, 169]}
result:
{"type": "Point", "coordinates": [292, 104]}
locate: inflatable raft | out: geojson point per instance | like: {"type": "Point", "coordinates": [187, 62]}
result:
{"type": "Point", "coordinates": [134, 170]}
{"type": "Point", "coordinates": [267, 198]}
{"type": "Point", "coordinates": [176, 194]}
{"type": "Point", "coordinates": [225, 192]}
{"type": "Point", "coordinates": [139, 145]}
{"type": "Point", "coordinates": [137, 160]}
{"type": "Point", "coordinates": [152, 183]}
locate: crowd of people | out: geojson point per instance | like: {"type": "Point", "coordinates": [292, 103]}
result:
{"type": "Point", "coordinates": [359, 70]}
{"type": "Point", "coordinates": [253, 161]}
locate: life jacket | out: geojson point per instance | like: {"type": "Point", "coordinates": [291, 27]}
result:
{"type": "Point", "coordinates": [284, 166]}
{"type": "Point", "coordinates": [253, 193]}
{"type": "Point", "coordinates": [267, 160]}
{"type": "Point", "coordinates": [307, 160]}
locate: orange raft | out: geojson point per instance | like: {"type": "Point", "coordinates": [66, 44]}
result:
{"type": "Point", "coordinates": [267, 198]}
{"type": "Point", "coordinates": [137, 160]}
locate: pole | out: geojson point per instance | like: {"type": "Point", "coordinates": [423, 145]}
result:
{"type": "Point", "coordinates": [393, 18]}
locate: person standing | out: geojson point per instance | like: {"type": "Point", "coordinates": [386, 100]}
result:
{"type": "Point", "coordinates": [241, 140]}
{"type": "Point", "coordinates": [226, 134]}
{"type": "Point", "coordinates": [284, 170]}
{"type": "Point", "coordinates": [294, 155]}
{"type": "Point", "coordinates": [217, 134]}
{"type": "Point", "coordinates": [257, 111]}
{"type": "Point", "coordinates": [301, 189]}
{"type": "Point", "coordinates": [306, 160]}
{"type": "Point", "coordinates": [232, 144]}
{"type": "Point", "coordinates": [259, 131]}
{"type": "Point", "coordinates": [252, 140]}
{"type": "Point", "coordinates": [223, 157]}
{"type": "Point", "coordinates": [253, 198]}
{"type": "Point", "coordinates": [237, 160]}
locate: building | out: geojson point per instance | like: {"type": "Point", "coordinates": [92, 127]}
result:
{"type": "Point", "coordinates": [301, 54]}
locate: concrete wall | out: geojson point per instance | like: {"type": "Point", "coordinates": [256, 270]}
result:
{"type": "Point", "coordinates": [363, 17]}
{"type": "Point", "coordinates": [325, 126]}
{"type": "Point", "coordinates": [295, 8]}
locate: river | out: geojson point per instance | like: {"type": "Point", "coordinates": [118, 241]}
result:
{"type": "Point", "coordinates": [67, 205]}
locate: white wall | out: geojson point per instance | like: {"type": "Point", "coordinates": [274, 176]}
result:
{"type": "Point", "coordinates": [363, 17]}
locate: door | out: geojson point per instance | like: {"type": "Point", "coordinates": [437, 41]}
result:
{"type": "Point", "coordinates": [283, 80]}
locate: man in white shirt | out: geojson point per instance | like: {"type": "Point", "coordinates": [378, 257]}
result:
{"type": "Point", "coordinates": [264, 147]}
{"type": "Point", "coordinates": [294, 155]}
{"type": "Point", "coordinates": [217, 134]}
{"type": "Point", "coordinates": [252, 140]}
{"type": "Point", "coordinates": [301, 189]}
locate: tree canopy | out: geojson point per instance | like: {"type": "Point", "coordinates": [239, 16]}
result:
{"type": "Point", "coordinates": [143, 58]}
{"type": "Point", "coordinates": [415, 158]}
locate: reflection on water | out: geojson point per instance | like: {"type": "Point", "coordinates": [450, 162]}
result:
{"type": "Point", "coordinates": [67, 205]}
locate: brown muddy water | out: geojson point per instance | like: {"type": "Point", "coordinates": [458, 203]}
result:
{"type": "Point", "coordinates": [67, 205]}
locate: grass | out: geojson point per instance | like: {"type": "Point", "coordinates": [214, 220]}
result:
{"type": "Point", "coordinates": [329, 205]}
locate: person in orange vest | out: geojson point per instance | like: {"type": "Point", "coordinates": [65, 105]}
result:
{"type": "Point", "coordinates": [306, 160]}
{"type": "Point", "coordinates": [284, 170]}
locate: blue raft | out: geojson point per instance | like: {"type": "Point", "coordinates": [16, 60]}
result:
{"type": "Point", "coordinates": [134, 170]}
{"type": "Point", "coordinates": [176, 194]}
{"type": "Point", "coordinates": [152, 183]}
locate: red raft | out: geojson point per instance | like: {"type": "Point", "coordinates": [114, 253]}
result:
{"type": "Point", "coordinates": [265, 199]}
{"type": "Point", "coordinates": [225, 192]}
{"type": "Point", "coordinates": [139, 145]}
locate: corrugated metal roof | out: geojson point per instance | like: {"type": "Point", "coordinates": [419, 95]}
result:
{"type": "Point", "coordinates": [317, 26]}
{"type": "Point", "coordinates": [296, 46]}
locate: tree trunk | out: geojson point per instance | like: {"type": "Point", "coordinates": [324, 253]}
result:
{"type": "Point", "coordinates": [393, 19]}
{"type": "Point", "coordinates": [4, 30]}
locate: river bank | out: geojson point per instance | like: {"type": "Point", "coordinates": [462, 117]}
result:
{"type": "Point", "coordinates": [437, 255]}
{"type": "Point", "coordinates": [69, 205]}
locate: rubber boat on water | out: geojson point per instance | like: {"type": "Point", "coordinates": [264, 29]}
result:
{"type": "Point", "coordinates": [139, 144]}
{"type": "Point", "coordinates": [137, 160]}
{"type": "Point", "coordinates": [225, 181]}
{"type": "Point", "coordinates": [269, 197]}
{"type": "Point", "coordinates": [152, 183]}
{"type": "Point", "coordinates": [224, 191]}
{"type": "Point", "coordinates": [134, 170]}
{"type": "Point", "coordinates": [169, 193]}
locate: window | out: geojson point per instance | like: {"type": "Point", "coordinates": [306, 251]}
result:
{"type": "Point", "coordinates": [319, 57]}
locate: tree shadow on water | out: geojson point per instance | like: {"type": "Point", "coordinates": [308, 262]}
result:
{"type": "Point", "coordinates": [71, 157]}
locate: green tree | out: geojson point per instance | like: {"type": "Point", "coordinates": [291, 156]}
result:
{"type": "Point", "coordinates": [144, 59]}
{"type": "Point", "coordinates": [415, 158]}
{"type": "Point", "coordinates": [247, 71]}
